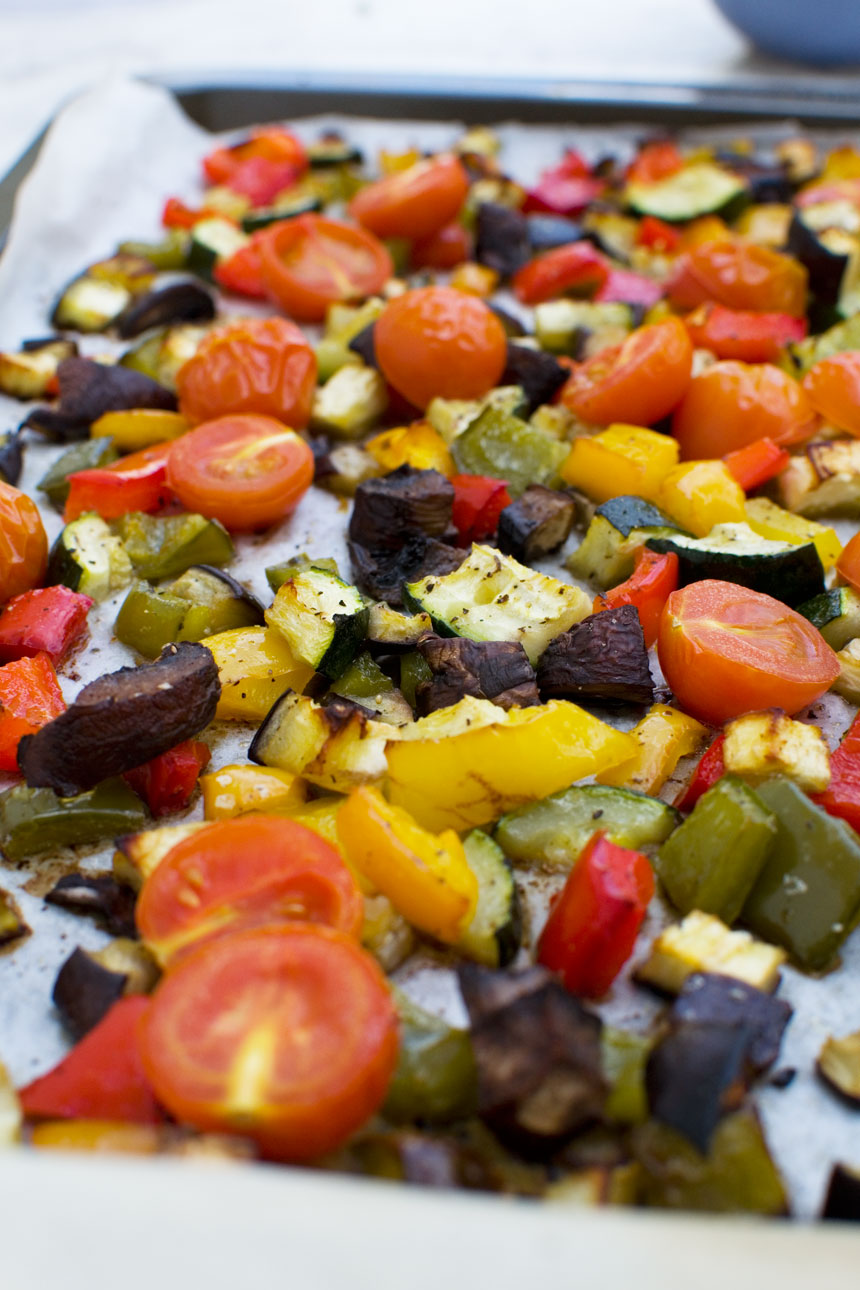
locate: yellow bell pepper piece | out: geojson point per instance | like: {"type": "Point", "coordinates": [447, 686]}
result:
{"type": "Point", "coordinates": [426, 878]}
{"type": "Point", "coordinates": [664, 736]}
{"type": "Point", "coordinates": [418, 445]}
{"type": "Point", "coordinates": [771, 521]}
{"type": "Point", "coordinates": [700, 494]}
{"type": "Point", "coordinates": [708, 228]}
{"type": "Point", "coordinates": [139, 428]}
{"type": "Point", "coordinates": [474, 279]}
{"type": "Point", "coordinates": [255, 667]}
{"type": "Point", "coordinates": [236, 790]}
{"type": "Point", "coordinates": [99, 1136]}
{"type": "Point", "coordinates": [621, 459]}
{"type": "Point", "coordinates": [468, 764]}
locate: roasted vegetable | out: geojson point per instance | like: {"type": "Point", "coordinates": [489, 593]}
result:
{"type": "Point", "coordinates": [493, 936]}
{"type": "Point", "coordinates": [202, 602]}
{"type": "Point", "coordinates": [538, 374]}
{"type": "Point", "coordinates": [600, 660]}
{"type": "Point", "coordinates": [839, 1065]}
{"type": "Point", "coordinates": [322, 618]}
{"type": "Point", "coordinates": [695, 1075]}
{"type": "Point", "coordinates": [701, 943]}
{"type": "Point", "coordinates": [12, 925]}
{"type": "Point", "coordinates": [180, 302]}
{"type": "Point", "coordinates": [714, 999]}
{"type": "Point", "coordinates": [89, 389]}
{"type": "Point", "coordinates": [28, 374]}
{"type": "Point", "coordinates": [494, 670]}
{"type": "Point", "coordinates": [824, 479]}
{"type": "Point", "coordinates": [538, 522]}
{"type": "Point", "coordinates": [407, 502]}
{"type": "Point", "coordinates": [618, 529]}
{"type": "Point", "coordinates": [383, 573]}
{"type": "Point", "coordinates": [735, 553]}
{"type": "Point", "coordinates": [163, 546]}
{"type": "Point", "coordinates": [434, 1082]}
{"type": "Point", "coordinates": [842, 1201]}
{"type": "Point", "coordinates": [84, 991]}
{"type": "Point", "coordinates": [502, 445]}
{"type": "Point", "coordinates": [501, 238]}
{"type": "Point", "coordinates": [101, 895]}
{"type": "Point", "coordinates": [35, 820]}
{"type": "Point", "coordinates": [763, 744]}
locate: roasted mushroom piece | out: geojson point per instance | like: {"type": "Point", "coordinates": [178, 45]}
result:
{"type": "Point", "coordinates": [89, 389]}
{"type": "Point", "coordinates": [496, 670]}
{"type": "Point", "coordinates": [536, 523]}
{"type": "Point", "coordinates": [710, 998]}
{"type": "Point", "coordinates": [501, 238]}
{"type": "Point", "coordinates": [603, 659]}
{"type": "Point", "coordinates": [538, 374]}
{"type": "Point", "coordinates": [97, 894]}
{"type": "Point", "coordinates": [403, 504]}
{"type": "Point", "coordinates": [382, 573]}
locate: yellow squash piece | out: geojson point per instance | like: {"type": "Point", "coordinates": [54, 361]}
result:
{"type": "Point", "coordinates": [663, 737]}
{"type": "Point", "coordinates": [771, 521]}
{"type": "Point", "coordinates": [139, 428]}
{"type": "Point", "coordinates": [762, 744]}
{"type": "Point", "coordinates": [620, 460]}
{"type": "Point", "coordinates": [468, 764]}
{"type": "Point", "coordinates": [700, 494]}
{"type": "Point", "coordinates": [236, 790]}
{"type": "Point", "coordinates": [701, 943]}
{"type": "Point", "coordinates": [417, 445]}
{"type": "Point", "coordinates": [255, 667]}
{"type": "Point", "coordinates": [426, 877]}
{"type": "Point", "coordinates": [10, 1111]}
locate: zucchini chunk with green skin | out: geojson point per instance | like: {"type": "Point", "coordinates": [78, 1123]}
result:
{"type": "Point", "coordinates": [88, 558]}
{"type": "Point", "coordinates": [12, 925]}
{"type": "Point", "coordinates": [836, 614]}
{"type": "Point", "coordinates": [842, 1201]}
{"type": "Point", "coordinates": [701, 943]}
{"type": "Point", "coordinates": [824, 479]}
{"type": "Point", "coordinates": [554, 832]}
{"type": "Point", "coordinates": [807, 896]}
{"type": "Point", "coordinates": [323, 619]}
{"type": "Point", "coordinates": [262, 218]}
{"type": "Point", "coordinates": [404, 503]}
{"type": "Point", "coordinates": [760, 745]}
{"type": "Point", "coordinates": [505, 447]}
{"type": "Point", "coordinates": [824, 249]}
{"type": "Point", "coordinates": [86, 455]}
{"type": "Point", "coordinates": [213, 240]}
{"type": "Point", "coordinates": [202, 602]}
{"type": "Point", "coordinates": [161, 355]}
{"type": "Point", "coordinates": [90, 305]}
{"type": "Point", "coordinates": [28, 373]}
{"type": "Point", "coordinates": [350, 403]}
{"type": "Point", "coordinates": [735, 553]}
{"type": "Point", "coordinates": [278, 574]}
{"type": "Point", "coordinates": [179, 302]}
{"type": "Point", "coordinates": [394, 630]}
{"type": "Point", "coordinates": [619, 527]}
{"type": "Point", "coordinates": [122, 720]}
{"type": "Point", "coordinates": [494, 670]}
{"type": "Point", "coordinates": [492, 597]}
{"type": "Point", "coordinates": [100, 895]}
{"type": "Point", "coordinates": [163, 546]}
{"type": "Point", "coordinates": [714, 999]}
{"type": "Point", "coordinates": [603, 659]}
{"type": "Point", "coordinates": [582, 328]}
{"type": "Point", "coordinates": [34, 820]}
{"type": "Point", "coordinates": [535, 524]}
{"type": "Point", "coordinates": [494, 935]}
{"type": "Point", "coordinates": [696, 1074]}
{"type": "Point", "coordinates": [89, 389]}
{"type": "Point", "coordinates": [700, 188]}
{"type": "Point", "coordinates": [435, 1079]}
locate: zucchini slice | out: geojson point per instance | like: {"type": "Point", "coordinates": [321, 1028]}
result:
{"type": "Point", "coordinates": [824, 479]}
{"type": "Point", "coordinates": [735, 553]}
{"type": "Point", "coordinates": [323, 619]}
{"type": "Point", "coordinates": [581, 328]}
{"type": "Point", "coordinates": [350, 403]}
{"type": "Point", "coordinates": [836, 614]}
{"type": "Point", "coordinates": [213, 240]}
{"type": "Point", "coordinates": [306, 739]}
{"type": "Point", "coordinates": [619, 527]}
{"type": "Point", "coordinates": [28, 373]}
{"type": "Point", "coordinates": [388, 627]}
{"type": "Point", "coordinates": [90, 304]}
{"type": "Point", "coordinates": [701, 188]}
{"type": "Point", "coordinates": [88, 558]}
{"type": "Point", "coordinates": [495, 932]}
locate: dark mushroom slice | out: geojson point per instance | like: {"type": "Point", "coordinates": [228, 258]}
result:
{"type": "Point", "coordinates": [123, 720]}
{"type": "Point", "coordinates": [539, 375]}
{"type": "Point", "coordinates": [538, 522]}
{"type": "Point", "coordinates": [97, 894]}
{"type": "Point", "coordinates": [695, 1075]}
{"type": "Point", "coordinates": [842, 1201]}
{"type": "Point", "coordinates": [89, 389]}
{"type": "Point", "coordinates": [400, 505]}
{"type": "Point", "coordinates": [603, 659]}
{"type": "Point", "coordinates": [382, 574]}
{"type": "Point", "coordinates": [496, 670]}
{"type": "Point", "coordinates": [179, 302]}
{"type": "Point", "coordinates": [839, 1065]}
{"type": "Point", "coordinates": [501, 238]}
{"type": "Point", "coordinates": [364, 344]}
{"type": "Point", "coordinates": [12, 925]}
{"type": "Point", "coordinates": [538, 1057]}
{"type": "Point", "coordinates": [710, 998]}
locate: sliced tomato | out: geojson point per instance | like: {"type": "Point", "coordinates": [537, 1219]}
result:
{"type": "Point", "coordinates": [743, 334]}
{"type": "Point", "coordinates": [246, 471]}
{"type": "Point", "coordinates": [638, 382]}
{"type": "Point", "coordinates": [270, 145]}
{"type": "Point", "coordinates": [415, 202]}
{"type": "Point", "coordinates": [576, 266]}
{"type": "Point", "coordinates": [137, 482]}
{"type": "Point", "coordinates": [249, 871]}
{"type": "Point", "coordinates": [311, 262]}
{"type": "Point", "coordinates": [287, 1035]}
{"type": "Point", "coordinates": [726, 650]}
{"type": "Point", "coordinates": [756, 463]}
{"type": "Point", "coordinates": [833, 387]}
{"type": "Point", "coordinates": [731, 404]}
{"type": "Point", "coordinates": [654, 579]}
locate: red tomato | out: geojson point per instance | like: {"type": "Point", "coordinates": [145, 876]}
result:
{"type": "Point", "coordinates": [755, 464]}
{"type": "Point", "coordinates": [242, 272]}
{"type": "Point", "coordinates": [726, 650]}
{"type": "Point", "coordinates": [654, 579]}
{"type": "Point", "coordinates": [271, 144]}
{"type": "Point", "coordinates": [833, 386]}
{"type": "Point", "coordinates": [137, 482]}
{"type": "Point", "coordinates": [30, 697]}
{"type": "Point", "coordinates": [657, 235]}
{"type": "Point", "coordinates": [848, 564]}
{"type": "Point", "coordinates": [439, 341]}
{"type": "Point", "coordinates": [740, 275]}
{"type": "Point", "coordinates": [415, 202]}
{"type": "Point", "coordinates": [742, 334]}
{"type": "Point", "coordinates": [732, 404]}
{"type": "Point", "coordinates": [575, 266]}
{"type": "Point", "coordinates": [167, 781]}
{"type": "Point", "coordinates": [285, 1034]}
{"type": "Point", "coordinates": [252, 871]}
{"type": "Point", "coordinates": [443, 250]}
{"type": "Point", "coordinates": [246, 471]}
{"type": "Point", "coordinates": [260, 365]}
{"type": "Point", "coordinates": [638, 382]}
{"type": "Point", "coordinates": [311, 262]}
{"type": "Point", "coordinates": [655, 161]}
{"type": "Point", "coordinates": [23, 543]}
{"type": "Point", "coordinates": [177, 215]}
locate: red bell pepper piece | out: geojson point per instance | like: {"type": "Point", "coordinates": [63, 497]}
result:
{"type": "Point", "coordinates": [630, 289]}
{"type": "Point", "coordinates": [593, 923]}
{"type": "Point", "coordinates": [743, 334]}
{"type": "Point", "coordinates": [575, 266]}
{"type": "Point", "coordinates": [654, 162]}
{"type": "Point", "coordinates": [657, 235]}
{"type": "Point", "coordinates": [177, 215]}
{"type": "Point", "coordinates": [48, 619]}
{"type": "Point", "coordinates": [842, 795]}
{"type": "Point", "coordinates": [260, 180]}
{"type": "Point", "coordinates": [478, 503]}
{"type": "Point", "coordinates": [242, 272]}
{"type": "Point", "coordinates": [30, 697]}
{"type": "Point", "coordinates": [756, 463]}
{"type": "Point", "coordinates": [711, 767]}
{"type": "Point", "coordinates": [166, 782]}
{"type": "Point", "coordinates": [134, 483]}
{"type": "Point", "coordinates": [102, 1078]}
{"type": "Point", "coordinates": [273, 144]}
{"type": "Point", "coordinates": [652, 582]}
{"type": "Point", "coordinates": [564, 189]}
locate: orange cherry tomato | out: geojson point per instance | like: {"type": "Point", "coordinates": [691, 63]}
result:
{"type": "Point", "coordinates": [731, 404]}
{"type": "Point", "coordinates": [848, 564]}
{"type": "Point", "coordinates": [311, 262]}
{"type": "Point", "coordinates": [439, 341]}
{"type": "Point", "coordinates": [415, 202]}
{"type": "Point", "coordinates": [271, 143]}
{"type": "Point", "coordinates": [443, 250]}
{"type": "Point", "coordinates": [246, 471]}
{"type": "Point", "coordinates": [833, 386]}
{"type": "Point", "coordinates": [740, 275]}
{"type": "Point", "coordinates": [285, 1034]}
{"type": "Point", "coordinates": [251, 871]}
{"type": "Point", "coordinates": [23, 543]}
{"type": "Point", "coordinates": [655, 161]}
{"type": "Point", "coordinates": [638, 382]}
{"type": "Point", "coordinates": [726, 650]}
{"type": "Point", "coordinates": [260, 365]}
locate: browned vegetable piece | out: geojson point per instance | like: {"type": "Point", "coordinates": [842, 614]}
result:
{"type": "Point", "coordinates": [89, 389]}
{"type": "Point", "coordinates": [496, 670]}
{"type": "Point", "coordinates": [501, 238]}
{"type": "Point", "coordinates": [536, 523]}
{"type": "Point", "coordinates": [839, 1065]}
{"type": "Point", "coordinates": [12, 924]}
{"type": "Point", "coordinates": [538, 1057]}
{"type": "Point", "coordinates": [364, 344]}
{"type": "Point", "coordinates": [842, 1201]}
{"type": "Point", "coordinates": [84, 991]}
{"type": "Point", "coordinates": [180, 302]}
{"type": "Point", "coordinates": [695, 1075]}
{"type": "Point", "coordinates": [419, 1158]}
{"type": "Point", "coordinates": [403, 504]}
{"type": "Point", "coordinates": [381, 574]}
{"type": "Point", "coordinates": [101, 895]}
{"type": "Point", "coordinates": [538, 374]}
{"type": "Point", "coordinates": [711, 998]}
{"type": "Point", "coordinates": [603, 659]}
{"type": "Point", "coordinates": [124, 719]}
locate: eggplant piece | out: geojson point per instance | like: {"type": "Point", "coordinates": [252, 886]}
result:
{"type": "Point", "coordinates": [710, 998]}
{"type": "Point", "coordinates": [84, 991]}
{"type": "Point", "coordinates": [839, 1066]}
{"type": "Point", "coordinates": [89, 389]}
{"type": "Point", "coordinates": [513, 327]}
{"type": "Point", "coordinates": [123, 720]}
{"type": "Point", "coordinates": [603, 659]}
{"type": "Point", "coordinates": [101, 895]}
{"type": "Point", "coordinates": [536, 523]}
{"type": "Point", "coordinates": [12, 925]}
{"type": "Point", "coordinates": [180, 302]}
{"type": "Point", "coordinates": [496, 670]}
{"type": "Point", "coordinates": [826, 261]}
{"type": "Point", "coordinates": [382, 574]}
{"type": "Point", "coordinates": [11, 456]}
{"type": "Point", "coordinates": [695, 1075]}
{"type": "Point", "coordinates": [538, 1057]}
{"type": "Point", "coordinates": [546, 232]}
{"type": "Point", "coordinates": [842, 1201]}
{"type": "Point", "coordinates": [397, 506]}
{"type": "Point", "coordinates": [501, 238]}
{"type": "Point", "coordinates": [539, 375]}
{"type": "Point", "coordinates": [364, 345]}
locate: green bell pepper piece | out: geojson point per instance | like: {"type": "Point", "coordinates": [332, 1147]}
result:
{"type": "Point", "coordinates": [170, 253]}
{"type": "Point", "coordinates": [413, 670]}
{"type": "Point", "coordinates": [625, 1056]}
{"type": "Point", "coordinates": [435, 1079]}
{"type": "Point", "coordinates": [713, 859]}
{"type": "Point", "coordinates": [163, 546]}
{"type": "Point", "coordinates": [86, 455]}
{"type": "Point", "coordinates": [149, 619]}
{"type": "Point", "coordinates": [363, 679]}
{"type": "Point", "coordinates": [36, 819]}
{"type": "Point", "coordinates": [807, 897]}
{"type": "Point", "coordinates": [501, 445]}
{"type": "Point", "coordinates": [195, 606]}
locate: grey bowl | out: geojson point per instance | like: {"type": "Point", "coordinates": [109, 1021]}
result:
{"type": "Point", "coordinates": [823, 33]}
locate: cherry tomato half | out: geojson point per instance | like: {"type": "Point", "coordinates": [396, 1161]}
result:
{"type": "Point", "coordinates": [726, 650]}
{"type": "Point", "coordinates": [246, 471]}
{"type": "Point", "coordinates": [638, 382]}
{"type": "Point", "coordinates": [23, 543]}
{"type": "Point", "coordinates": [833, 386]}
{"type": "Point", "coordinates": [285, 1034]}
{"type": "Point", "coordinates": [311, 262]}
{"type": "Point", "coordinates": [730, 405]}
{"type": "Point", "coordinates": [439, 341]}
{"type": "Point", "coordinates": [415, 202]}
{"type": "Point", "coordinates": [739, 275]}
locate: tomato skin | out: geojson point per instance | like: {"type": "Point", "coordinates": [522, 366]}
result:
{"type": "Point", "coordinates": [260, 365]}
{"type": "Point", "coordinates": [242, 273]}
{"type": "Point", "coordinates": [657, 235]}
{"type": "Point", "coordinates": [739, 275]}
{"type": "Point", "coordinates": [246, 471]}
{"type": "Point", "coordinates": [445, 249]}
{"type": "Point", "coordinates": [637, 383]}
{"type": "Point", "coordinates": [731, 404]}
{"type": "Point", "coordinates": [23, 543]}
{"type": "Point", "coordinates": [311, 262]}
{"type": "Point", "coordinates": [655, 161]}
{"type": "Point", "coordinates": [219, 1044]}
{"type": "Point", "coordinates": [272, 146]}
{"type": "Point", "coordinates": [833, 387]}
{"type": "Point", "coordinates": [439, 341]}
{"type": "Point", "coordinates": [415, 202]}
{"type": "Point", "coordinates": [726, 650]}
{"type": "Point", "coordinates": [577, 265]}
